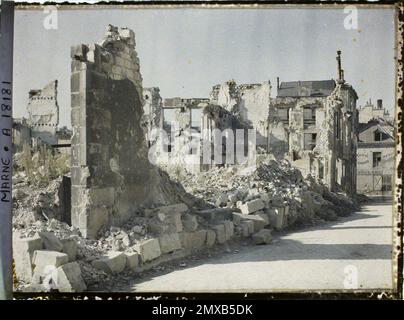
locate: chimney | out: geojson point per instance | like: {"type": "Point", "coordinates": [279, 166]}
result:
{"type": "Point", "coordinates": [379, 104]}
{"type": "Point", "coordinates": [340, 72]}
{"type": "Point", "coordinates": [277, 83]}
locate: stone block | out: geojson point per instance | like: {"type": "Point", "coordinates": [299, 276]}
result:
{"type": "Point", "coordinates": [189, 222]}
{"type": "Point", "coordinates": [210, 238]}
{"type": "Point", "coordinates": [243, 229]}
{"type": "Point", "coordinates": [220, 233]}
{"type": "Point", "coordinates": [50, 241]}
{"type": "Point", "coordinates": [263, 236]}
{"type": "Point", "coordinates": [46, 262]}
{"type": "Point", "coordinates": [252, 206]}
{"type": "Point", "coordinates": [174, 219]}
{"type": "Point", "coordinates": [148, 249]}
{"type": "Point", "coordinates": [265, 197]}
{"type": "Point", "coordinates": [169, 242]}
{"type": "Point", "coordinates": [78, 51]}
{"type": "Point", "coordinates": [68, 278]}
{"type": "Point", "coordinates": [132, 260]}
{"type": "Point", "coordinates": [23, 252]}
{"type": "Point", "coordinates": [49, 258]}
{"type": "Point", "coordinates": [228, 229]}
{"type": "Point", "coordinates": [173, 208]}
{"type": "Point", "coordinates": [75, 82]}
{"type": "Point", "coordinates": [259, 222]}
{"type": "Point", "coordinates": [277, 217]}
{"type": "Point", "coordinates": [166, 222]}
{"type": "Point", "coordinates": [102, 196]}
{"type": "Point", "coordinates": [193, 240]}
{"type": "Point", "coordinates": [96, 220]}
{"type": "Point", "coordinates": [215, 214]}
{"type": "Point", "coordinates": [157, 227]}
{"type": "Point", "coordinates": [247, 227]}
{"type": "Point", "coordinates": [112, 262]}
{"type": "Point", "coordinates": [70, 248]}
{"type": "Point", "coordinates": [263, 216]}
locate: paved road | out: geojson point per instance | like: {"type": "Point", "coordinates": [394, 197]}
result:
{"type": "Point", "coordinates": [315, 258]}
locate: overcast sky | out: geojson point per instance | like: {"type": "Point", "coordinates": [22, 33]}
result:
{"type": "Point", "coordinates": [187, 51]}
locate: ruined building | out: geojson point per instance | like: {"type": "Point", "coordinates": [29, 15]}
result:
{"type": "Point", "coordinates": [311, 123]}
{"type": "Point", "coordinates": [111, 175]}
{"type": "Point", "coordinates": [249, 103]}
{"type": "Point", "coordinates": [43, 113]}
{"type": "Point", "coordinates": [231, 110]}
{"type": "Point", "coordinates": [41, 127]}
{"type": "Point", "coordinates": [375, 160]}
{"type": "Point", "coordinates": [182, 123]}
{"type": "Point", "coordinates": [200, 135]}
{"type": "Point", "coordinates": [315, 124]}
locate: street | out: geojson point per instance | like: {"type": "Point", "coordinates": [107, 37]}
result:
{"type": "Point", "coordinates": [353, 252]}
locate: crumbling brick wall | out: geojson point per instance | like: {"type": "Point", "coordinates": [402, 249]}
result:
{"type": "Point", "coordinates": [43, 113]}
{"type": "Point", "coordinates": [111, 174]}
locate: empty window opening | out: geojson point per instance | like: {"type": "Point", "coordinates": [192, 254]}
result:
{"type": "Point", "coordinates": [310, 140]}
{"type": "Point", "coordinates": [377, 159]}
{"type": "Point", "coordinates": [309, 116]}
{"type": "Point", "coordinates": [283, 115]}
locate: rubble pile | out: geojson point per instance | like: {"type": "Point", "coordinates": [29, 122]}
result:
{"type": "Point", "coordinates": [277, 184]}
{"type": "Point", "coordinates": [37, 178]}
{"type": "Point", "coordinates": [41, 166]}
{"type": "Point", "coordinates": [51, 255]}
{"type": "Point", "coordinates": [222, 204]}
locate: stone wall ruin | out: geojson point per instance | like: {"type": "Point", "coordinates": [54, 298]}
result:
{"type": "Point", "coordinates": [109, 151]}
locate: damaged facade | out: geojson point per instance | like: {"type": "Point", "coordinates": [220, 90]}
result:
{"type": "Point", "coordinates": [198, 124]}
{"type": "Point", "coordinates": [375, 160]}
{"type": "Point", "coordinates": [193, 131]}
{"type": "Point", "coordinates": [315, 124]}
{"type": "Point", "coordinates": [41, 127]}
{"type": "Point", "coordinates": [247, 102]}
{"type": "Point", "coordinates": [43, 113]}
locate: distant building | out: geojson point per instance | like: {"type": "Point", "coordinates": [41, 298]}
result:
{"type": "Point", "coordinates": [370, 111]}
{"type": "Point", "coordinates": [41, 127]}
{"type": "Point", "coordinates": [375, 160]}
{"type": "Point", "coordinates": [43, 113]}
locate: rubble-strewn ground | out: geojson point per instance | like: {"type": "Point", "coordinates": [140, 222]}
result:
{"type": "Point", "coordinates": [275, 184]}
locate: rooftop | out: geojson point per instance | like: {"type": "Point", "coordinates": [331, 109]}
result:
{"type": "Point", "coordinates": [319, 88]}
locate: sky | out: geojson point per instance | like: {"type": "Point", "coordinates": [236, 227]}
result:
{"type": "Point", "coordinates": [186, 51]}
